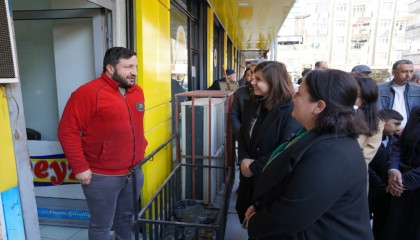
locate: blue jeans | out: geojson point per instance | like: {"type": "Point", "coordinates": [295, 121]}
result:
{"type": "Point", "coordinates": [110, 202]}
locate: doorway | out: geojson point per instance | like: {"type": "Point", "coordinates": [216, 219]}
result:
{"type": "Point", "coordinates": [58, 51]}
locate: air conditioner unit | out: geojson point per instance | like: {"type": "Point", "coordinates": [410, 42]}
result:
{"type": "Point", "coordinates": [8, 63]}
{"type": "Point", "coordinates": [208, 115]}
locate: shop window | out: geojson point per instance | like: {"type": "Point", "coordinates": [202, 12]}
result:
{"type": "Point", "coordinates": [179, 48]}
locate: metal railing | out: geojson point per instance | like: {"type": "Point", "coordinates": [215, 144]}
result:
{"type": "Point", "coordinates": [137, 202]}
{"type": "Point", "coordinates": [158, 217]}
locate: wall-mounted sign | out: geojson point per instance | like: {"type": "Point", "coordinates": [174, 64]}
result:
{"type": "Point", "coordinates": [8, 66]}
{"type": "Point", "coordinates": [49, 166]}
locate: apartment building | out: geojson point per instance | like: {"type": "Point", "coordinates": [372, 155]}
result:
{"type": "Point", "coordinates": [346, 33]}
{"type": "Point", "coordinates": [413, 34]}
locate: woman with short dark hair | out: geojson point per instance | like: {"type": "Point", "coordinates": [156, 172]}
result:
{"type": "Point", "coordinates": [314, 185]}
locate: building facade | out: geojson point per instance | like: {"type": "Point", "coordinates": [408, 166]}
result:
{"type": "Point", "coordinates": [346, 33]}
{"type": "Point", "coordinates": [413, 34]}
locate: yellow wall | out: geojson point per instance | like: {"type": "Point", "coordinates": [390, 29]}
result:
{"type": "Point", "coordinates": [153, 52]}
{"type": "Point", "coordinates": [8, 174]}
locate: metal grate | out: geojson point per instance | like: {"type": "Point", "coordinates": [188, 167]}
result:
{"type": "Point", "coordinates": [6, 53]}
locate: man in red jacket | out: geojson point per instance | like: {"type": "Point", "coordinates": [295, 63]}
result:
{"type": "Point", "coordinates": [101, 132]}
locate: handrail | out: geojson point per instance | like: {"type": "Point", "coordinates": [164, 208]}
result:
{"type": "Point", "coordinates": [136, 200]}
{"type": "Point", "coordinates": [152, 154]}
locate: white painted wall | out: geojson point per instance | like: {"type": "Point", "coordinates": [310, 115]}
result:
{"type": "Point", "coordinates": [73, 54]}
{"type": "Point", "coordinates": [34, 43]}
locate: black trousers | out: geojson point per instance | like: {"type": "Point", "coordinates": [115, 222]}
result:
{"type": "Point", "coordinates": [245, 194]}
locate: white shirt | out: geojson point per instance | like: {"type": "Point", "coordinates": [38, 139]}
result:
{"type": "Point", "coordinates": [399, 102]}
{"type": "Point", "coordinates": [385, 141]}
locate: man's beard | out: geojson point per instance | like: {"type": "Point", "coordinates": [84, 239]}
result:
{"type": "Point", "coordinates": [121, 80]}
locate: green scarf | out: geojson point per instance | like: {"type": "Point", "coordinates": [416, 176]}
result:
{"type": "Point", "coordinates": [300, 133]}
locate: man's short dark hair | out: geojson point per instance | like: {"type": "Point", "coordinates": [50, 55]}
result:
{"type": "Point", "coordinates": [402, 61]}
{"type": "Point", "coordinates": [388, 114]}
{"type": "Point", "coordinates": [113, 56]}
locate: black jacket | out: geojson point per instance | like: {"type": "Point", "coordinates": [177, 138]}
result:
{"type": "Point", "coordinates": [407, 151]}
{"type": "Point", "coordinates": [241, 100]}
{"type": "Point", "coordinates": [272, 129]}
{"type": "Point", "coordinates": [315, 189]}
{"type": "Point", "coordinates": [276, 126]}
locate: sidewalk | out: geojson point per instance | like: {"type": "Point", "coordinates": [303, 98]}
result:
{"type": "Point", "coordinates": [234, 230]}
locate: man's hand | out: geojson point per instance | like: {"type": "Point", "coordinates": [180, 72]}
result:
{"type": "Point", "coordinates": [246, 171]}
{"type": "Point", "coordinates": [395, 186]}
{"type": "Point", "coordinates": [84, 177]}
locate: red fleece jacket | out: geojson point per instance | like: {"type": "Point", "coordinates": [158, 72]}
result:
{"type": "Point", "coordinates": [103, 130]}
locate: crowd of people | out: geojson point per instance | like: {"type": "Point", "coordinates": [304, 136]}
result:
{"type": "Point", "coordinates": [335, 158]}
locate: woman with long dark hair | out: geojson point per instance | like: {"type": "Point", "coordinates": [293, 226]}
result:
{"type": "Point", "coordinates": [366, 102]}
{"type": "Point", "coordinates": [314, 185]}
{"type": "Point", "coordinates": [265, 124]}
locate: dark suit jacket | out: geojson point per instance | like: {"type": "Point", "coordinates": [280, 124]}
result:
{"type": "Point", "coordinates": [315, 189]}
{"type": "Point", "coordinates": [407, 151]}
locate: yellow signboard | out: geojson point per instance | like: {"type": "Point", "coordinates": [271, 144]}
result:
{"type": "Point", "coordinates": [8, 174]}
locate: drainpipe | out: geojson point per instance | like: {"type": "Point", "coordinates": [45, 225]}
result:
{"type": "Point", "coordinates": [130, 23]}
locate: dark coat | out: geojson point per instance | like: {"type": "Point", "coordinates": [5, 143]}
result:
{"type": "Point", "coordinates": [315, 189]}
{"type": "Point", "coordinates": [404, 219]}
{"type": "Point", "coordinates": [241, 100]}
{"type": "Point", "coordinates": [407, 151]}
{"type": "Point", "coordinates": [275, 127]}
{"type": "Point", "coordinates": [379, 199]}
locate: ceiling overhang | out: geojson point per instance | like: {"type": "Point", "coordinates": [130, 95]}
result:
{"type": "Point", "coordinates": [252, 24]}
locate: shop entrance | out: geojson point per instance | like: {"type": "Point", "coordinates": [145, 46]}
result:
{"type": "Point", "coordinates": [58, 51]}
